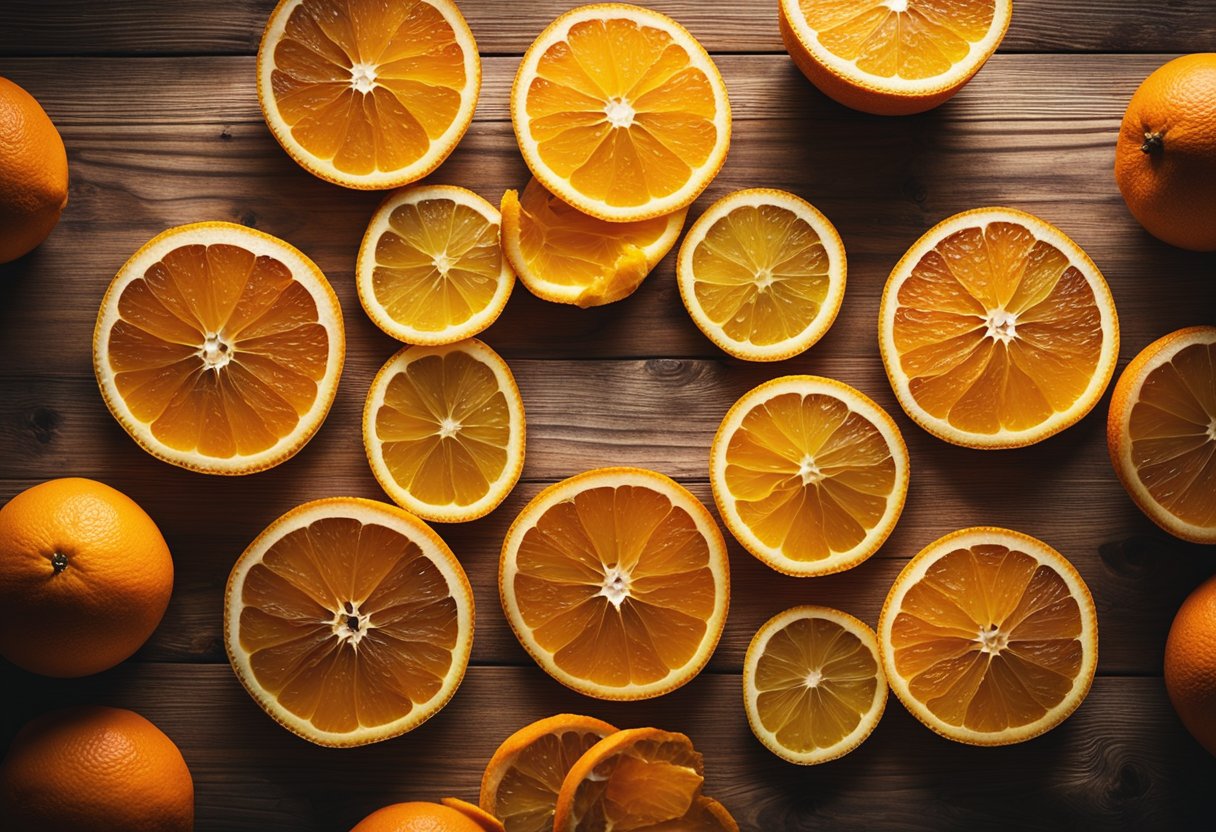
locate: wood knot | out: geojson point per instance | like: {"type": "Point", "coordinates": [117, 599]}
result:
{"type": "Point", "coordinates": [667, 369]}
{"type": "Point", "coordinates": [914, 190]}
{"type": "Point", "coordinates": [1134, 557]}
{"type": "Point", "coordinates": [226, 134]}
{"type": "Point", "coordinates": [43, 422]}
{"type": "Point", "coordinates": [1129, 782]}
{"type": "Point", "coordinates": [248, 219]}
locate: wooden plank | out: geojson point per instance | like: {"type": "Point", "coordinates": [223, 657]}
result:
{"type": "Point", "coordinates": [192, 27]}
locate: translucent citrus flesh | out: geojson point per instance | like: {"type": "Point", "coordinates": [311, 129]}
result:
{"type": "Point", "coordinates": [761, 274]}
{"type": "Point", "coordinates": [444, 428]}
{"type": "Point", "coordinates": [1173, 434]}
{"type": "Point", "coordinates": [816, 680]}
{"type": "Point", "coordinates": [810, 477]}
{"type": "Point", "coordinates": [619, 111]}
{"type": "Point", "coordinates": [988, 639]}
{"type": "Point", "coordinates": [996, 330]}
{"type": "Point", "coordinates": [645, 784]}
{"type": "Point", "coordinates": [368, 85]}
{"type": "Point", "coordinates": [437, 264]}
{"type": "Point", "coordinates": [528, 790]}
{"type": "Point", "coordinates": [348, 625]}
{"type": "Point", "coordinates": [630, 544]}
{"type": "Point", "coordinates": [220, 351]}
{"type": "Point", "coordinates": [925, 39]}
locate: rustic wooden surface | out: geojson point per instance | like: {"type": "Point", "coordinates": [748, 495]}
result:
{"type": "Point", "coordinates": [157, 106]}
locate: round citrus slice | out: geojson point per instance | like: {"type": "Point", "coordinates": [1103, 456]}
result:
{"type": "Point", "coordinates": [443, 428]}
{"type": "Point", "coordinates": [616, 581]}
{"type": "Point", "coordinates": [430, 268]}
{"type": "Point", "coordinates": [365, 93]}
{"type": "Point", "coordinates": [522, 779]}
{"type": "Point", "coordinates": [565, 256]}
{"type": "Point", "coordinates": [218, 348]}
{"type": "Point", "coordinates": [475, 813]}
{"type": "Point", "coordinates": [813, 684]}
{"type": "Point", "coordinates": [349, 621]}
{"type": "Point", "coordinates": [762, 274]}
{"type": "Point", "coordinates": [620, 112]}
{"type": "Point", "coordinates": [809, 474]}
{"type": "Point", "coordinates": [997, 330]}
{"type": "Point", "coordinates": [1162, 432]}
{"type": "Point", "coordinates": [892, 57]}
{"type": "Point", "coordinates": [989, 637]}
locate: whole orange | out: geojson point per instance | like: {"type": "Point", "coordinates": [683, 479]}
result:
{"type": "Point", "coordinates": [95, 769]}
{"type": "Point", "coordinates": [33, 172]}
{"type": "Point", "coordinates": [417, 817]}
{"type": "Point", "coordinates": [85, 577]}
{"type": "Point", "coordinates": [1165, 159]}
{"type": "Point", "coordinates": [1190, 663]}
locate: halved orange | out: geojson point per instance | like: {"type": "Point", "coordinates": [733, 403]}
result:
{"type": "Point", "coordinates": [616, 581]}
{"type": "Point", "coordinates": [892, 57]}
{"type": "Point", "coordinates": [997, 330]}
{"type": "Point", "coordinates": [809, 474]}
{"type": "Point", "coordinates": [430, 268]}
{"type": "Point", "coordinates": [475, 813]}
{"type": "Point", "coordinates": [522, 779]}
{"type": "Point", "coordinates": [762, 273]}
{"type": "Point", "coordinates": [218, 348]}
{"type": "Point", "coordinates": [349, 621]}
{"type": "Point", "coordinates": [620, 112]}
{"type": "Point", "coordinates": [1161, 432]}
{"type": "Point", "coordinates": [364, 93]}
{"type": "Point", "coordinates": [989, 637]}
{"type": "Point", "coordinates": [813, 684]}
{"type": "Point", "coordinates": [443, 428]}
{"type": "Point", "coordinates": [565, 256]}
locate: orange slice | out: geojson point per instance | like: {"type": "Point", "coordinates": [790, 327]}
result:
{"type": "Point", "coordinates": [989, 637]}
{"type": "Point", "coordinates": [430, 268]}
{"type": "Point", "coordinates": [616, 581]}
{"type": "Point", "coordinates": [620, 112]}
{"type": "Point", "coordinates": [443, 428]}
{"type": "Point", "coordinates": [809, 474]}
{"type": "Point", "coordinates": [762, 274]}
{"type": "Point", "coordinates": [364, 93]}
{"type": "Point", "coordinates": [1162, 432]}
{"type": "Point", "coordinates": [997, 330]}
{"type": "Point", "coordinates": [813, 684]}
{"type": "Point", "coordinates": [475, 813]}
{"type": "Point", "coordinates": [349, 621]}
{"type": "Point", "coordinates": [523, 777]}
{"type": "Point", "coordinates": [892, 57]}
{"type": "Point", "coordinates": [565, 256]}
{"type": "Point", "coordinates": [218, 348]}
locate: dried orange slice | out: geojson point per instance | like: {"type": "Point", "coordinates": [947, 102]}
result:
{"type": "Point", "coordinates": [616, 581]}
{"type": "Point", "coordinates": [565, 256]}
{"type": "Point", "coordinates": [475, 813]}
{"type": "Point", "coordinates": [1162, 432]}
{"type": "Point", "coordinates": [218, 348]}
{"type": "Point", "coordinates": [989, 637]}
{"type": "Point", "coordinates": [762, 274]}
{"type": "Point", "coordinates": [892, 57]}
{"type": "Point", "coordinates": [620, 112]}
{"type": "Point", "coordinates": [430, 268]}
{"type": "Point", "coordinates": [522, 779]}
{"type": "Point", "coordinates": [809, 474]}
{"type": "Point", "coordinates": [997, 330]}
{"type": "Point", "coordinates": [443, 428]}
{"type": "Point", "coordinates": [349, 621]}
{"type": "Point", "coordinates": [368, 94]}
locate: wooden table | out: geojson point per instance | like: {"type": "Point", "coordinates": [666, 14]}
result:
{"type": "Point", "coordinates": [157, 105]}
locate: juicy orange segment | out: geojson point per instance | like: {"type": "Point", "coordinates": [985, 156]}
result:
{"type": "Point", "coordinates": [368, 94]}
{"type": "Point", "coordinates": [566, 256]}
{"type": "Point", "coordinates": [218, 348]}
{"type": "Point", "coordinates": [997, 330]}
{"type": "Point", "coordinates": [620, 112]}
{"type": "Point", "coordinates": [1162, 432]}
{"type": "Point", "coordinates": [443, 428]}
{"type": "Point", "coordinates": [989, 637]}
{"type": "Point", "coordinates": [616, 581]}
{"type": "Point", "coordinates": [349, 621]}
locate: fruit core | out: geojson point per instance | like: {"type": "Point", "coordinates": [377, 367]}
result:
{"type": "Point", "coordinates": [215, 352]}
{"type": "Point", "coordinates": [620, 112]}
{"type": "Point", "coordinates": [1002, 325]}
{"type": "Point", "coordinates": [616, 585]}
{"type": "Point", "coordinates": [814, 678]}
{"type": "Point", "coordinates": [992, 640]}
{"type": "Point", "coordinates": [897, 5]}
{"type": "Point", "coordinates": [448, 428]}
{"type": "Point", "coordinates": [363, 77]}
{"type": "Point", "coordinates": [809, 472]}
{"type": "Point", "coordinates": [350, 625]}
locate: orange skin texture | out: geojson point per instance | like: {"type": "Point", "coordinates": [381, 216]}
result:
{"type": "Point", "coordinates": [33, 172]}
{"type": "Point", "coordinates": [95, 769]}
{"type": "Point", "coordinates": [1190, 664]}
{"type": "Point", "coordinates": [1171, 191]}
{"type": "Point", "coordinates": [417, 817]}
{"type": "Point", "coordinates": [108, 598]}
